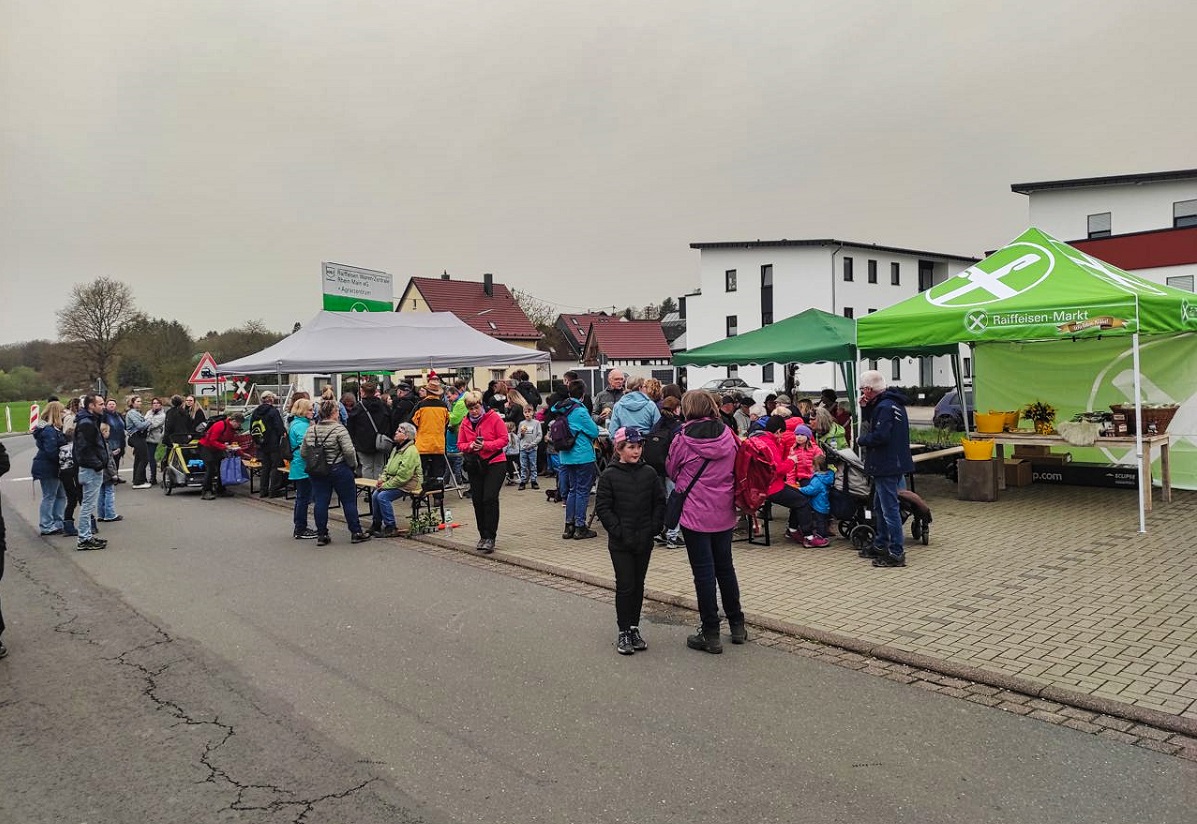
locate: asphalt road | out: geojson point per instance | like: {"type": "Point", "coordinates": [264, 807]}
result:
{"type": "Point", "coordinates": [206, 667]}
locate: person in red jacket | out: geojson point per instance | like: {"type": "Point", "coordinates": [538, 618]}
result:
{"type": "Point", "coordinates": [482, 440]}
{"type": "Point", "coordinates": [801, 522]}
{"type": "Point", "coordinates": [216, 442]}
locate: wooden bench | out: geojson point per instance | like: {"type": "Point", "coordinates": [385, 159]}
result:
{"type": "Point", "coordinates": [932, 455]}
{"type": "Point", "coordinates": [254, 467]}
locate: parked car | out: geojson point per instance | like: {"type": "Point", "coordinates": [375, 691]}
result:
{"type": "Point", "coordinates": [730, 386]}
{"type": "Point", "coordinates": [948, 413]}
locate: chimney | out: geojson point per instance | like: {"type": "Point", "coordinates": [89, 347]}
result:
{"type": "Point", "coordinates": [445, 274]}
{"type": "Point", "coordinates": [488, 285]}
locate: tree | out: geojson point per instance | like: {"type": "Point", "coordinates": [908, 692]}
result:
{"type": "Point", "coordinates": [133, 373]}
{"type": "Point", "coordinates": [540, 313]}
{"type": "Point", "coordinates": [99, 317]}
{"type": "Point", "coordinates": [668, 306]}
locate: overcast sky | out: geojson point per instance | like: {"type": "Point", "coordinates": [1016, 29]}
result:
{"type": "Point", "coordinates": [211, 153]}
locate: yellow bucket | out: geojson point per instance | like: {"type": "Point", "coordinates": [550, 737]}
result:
{"type": "Point", "coordinates": [977, 450]}
{"type": "Point", "coordinates": [1012, 419]}
{"type": "Point", "coordinates": [990, 423]}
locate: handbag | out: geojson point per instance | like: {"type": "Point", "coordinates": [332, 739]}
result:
{"type": "Point", "coordinates": [673, 506]}
{"type": "Point", "coordinates": [232, 471]}
{"type": "Point", "coordinates": [381, 442]}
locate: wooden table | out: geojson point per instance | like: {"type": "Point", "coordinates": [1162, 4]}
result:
{"type": "Point", "coordinates": [1163, 441]}
{"type": "Point", "coordinates": [365, 488]}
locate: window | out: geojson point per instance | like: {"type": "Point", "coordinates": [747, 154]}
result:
{"type": "Point", "coordinates": [767, 373]}
{"type": "Point", "coordinates": [733, 371]}
{"type": "Point", "coordinates": [729, 280]}
{"type": "Point", "coordinates": [848, 268]}
{"type": "Point", "coordinates": [873, 364]}
{"type": "Point", "coordinates": [967, 366]}
{"type": "Point", "coordinates": [849, 312]}
{"type": "Point", "coordinates": [1184, 213]}
{"type": "Point", "coordinates": [733, 326]}
{"type": "Point", "coordinates": [895, 274]}
{"type": "Point", "coordinates": [871, 311]}
{"type": "Point", "coordinates": [872, 271]}
{"type": "Point", "coordinates": [1099, 225]}
{"type": "Point", "coordinates": [895, 369]}
{"type": "Point", "coordinates": [926, 275]}
{"type": "Point", "coordinates": [1181, 282]}
{"type": "Point", "coordinates": [766, 294]}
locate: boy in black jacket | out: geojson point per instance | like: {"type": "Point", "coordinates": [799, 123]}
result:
{"type": "Point", "coordinates": [631, 504]}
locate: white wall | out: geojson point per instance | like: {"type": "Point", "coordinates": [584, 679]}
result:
{"type": "Point", "coordinates": [1132, 207]}
{"type": "Point", "coordinates": [803, 277]}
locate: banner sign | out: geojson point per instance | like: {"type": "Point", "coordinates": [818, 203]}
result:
{"type": "Point", "coordinates": [350, 289]}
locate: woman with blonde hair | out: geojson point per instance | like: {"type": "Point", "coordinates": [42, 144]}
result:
{"type": "Point", "coordinates": [300, 417]}
{"type": "Point", "coordinates": [482, 441]}
{"type": "Point", "coordinates": [49, 438]}
{"type": "Point", "coordinates": [654, 390]}
{"type": "Point", "coordinates": [137, 428]}
{"type": "Point", "coordinates": [332, 439]}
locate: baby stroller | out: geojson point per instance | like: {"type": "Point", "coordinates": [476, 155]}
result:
{"type": "Point", "coordinates": [852, 502]}
{"type": "Point", "coordinates": [184, 467]}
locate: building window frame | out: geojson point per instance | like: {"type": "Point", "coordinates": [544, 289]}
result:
{"type": "Point", "coordinates": [895, 369]}
{"type": "Point", "coordinates": [1184, 282]}
{"type": "Point", "coordinates": [895, 273]}
{"type": "Point", "coordinates": [729, 280]}
{"type": "Point", "coordinates": [766, 294]}
{"type": "Point", "coordinates": [767, 373]}
{"type": "Point", "coordinates": [1098, 225]}
{"type": "Point", "coordinates": [849, 312]}
{"type": "Point", "coordinates": [732, 326]}
{"type": "Point", "coordinates": [1184, 214]}
{"type": "Point", "coordinates": [849, 276]}
{"type": "Point", "coordinates": [872, 268]}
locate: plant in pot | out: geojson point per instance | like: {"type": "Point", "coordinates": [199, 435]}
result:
{"type": "Point", "coordinates": [1042, 414]}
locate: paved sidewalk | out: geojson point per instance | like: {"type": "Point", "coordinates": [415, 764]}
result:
{"type": "Point", "coordinates": [1050, 590]}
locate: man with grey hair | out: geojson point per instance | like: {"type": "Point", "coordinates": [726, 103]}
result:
{"type": "Point", "coordinates": [605, 401]}
{"type": "Point", "coordinates": [400, 478]}
{"type": "Point", "coordinates": [886, 446]}
{"type": "Point", "coordinates": [268, 432]}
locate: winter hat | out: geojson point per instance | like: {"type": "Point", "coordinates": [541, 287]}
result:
{"type": "Point", "coordinates": [803, 429]}
{"type": "Point", "coordinates": [434, 388]}
{"type": "Point", "coordinates": [627, 434]}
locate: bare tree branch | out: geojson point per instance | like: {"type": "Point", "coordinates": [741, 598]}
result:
{"type": "Point", "coordinates": [100, 315]}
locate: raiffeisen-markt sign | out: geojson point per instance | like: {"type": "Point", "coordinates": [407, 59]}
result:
{"type": "Point", "coordinates": [350, 289]}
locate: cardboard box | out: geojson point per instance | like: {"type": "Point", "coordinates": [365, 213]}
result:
{"type": "Point", "coordinates": [1113, 476]}
{"type": "Point", "coordinates": [1028, 451]}
{"type": "Point", "coordinates": [1018, 472]}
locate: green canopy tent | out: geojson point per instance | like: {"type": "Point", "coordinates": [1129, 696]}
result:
{"type": "Point", "coordinates": [1035, 289]}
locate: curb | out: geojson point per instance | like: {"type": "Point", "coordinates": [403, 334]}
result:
{"type": "Point", "coordinates": [884, 652]}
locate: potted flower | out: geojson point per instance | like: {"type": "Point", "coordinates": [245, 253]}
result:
{"type": "Point", "coordinates": [1042, 414]}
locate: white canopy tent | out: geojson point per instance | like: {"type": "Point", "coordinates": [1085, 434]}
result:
{"type": "Point", "coordinates": [381, 341]}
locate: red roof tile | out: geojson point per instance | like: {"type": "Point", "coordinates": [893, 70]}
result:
{"type": "Point", "coordinates": [467, 300]}
{"type": "Point", "coordinates": [579, 325]}
{"type": "Point", "coordinates": [631, 340]}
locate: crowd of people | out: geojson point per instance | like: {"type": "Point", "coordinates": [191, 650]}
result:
{"type": "Point", "coordinates": [661, 464]}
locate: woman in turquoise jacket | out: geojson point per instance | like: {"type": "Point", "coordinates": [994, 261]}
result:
{"type": "Point", "coordinates": [301, 419]}
{"type": "Point", "coordinates": [577, 462]}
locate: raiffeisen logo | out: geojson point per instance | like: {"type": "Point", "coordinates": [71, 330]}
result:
{"type": "Point", "coordinates": [1018, 268]}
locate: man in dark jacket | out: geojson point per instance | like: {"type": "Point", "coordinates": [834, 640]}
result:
{"type": "Point", "coordinates": [91, 456]}
{"type": "Point", "coordinates": [270, 447]}
{"type": "Point", "coordinates": [526, 389]}
{"type": "Point", "coordinates": [727, 412]}
{"type": "Point", "coordinates": [404, 405]}
{"type": "Point", "coordinates": [367, 420]}
{"type": "Point", "coordinates": [886, 445]}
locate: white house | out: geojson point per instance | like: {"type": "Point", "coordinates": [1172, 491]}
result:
{"type": "Point", "coordinates": [745, 285]}
{"type": "Point", "coordinates": [1145, 223]}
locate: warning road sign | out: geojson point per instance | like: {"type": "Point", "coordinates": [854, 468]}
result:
{"type": "Point", "coordinates": [205, 370]}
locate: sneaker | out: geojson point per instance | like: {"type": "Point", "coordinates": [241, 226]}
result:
{"type": "Point", "coordinates": [358, 538]}
{"type": "Point", "coordinates": [207, 496]}
{"type": "Point", "coordinates": [623, 644]}
{"type": "Point", "coordinates": [638, 642]}
{"type": "Point", "coordinates": [569, 532]}
{"type": "Point", "coordinates": [488, 546]}
{"type": "Point", "coordinates": [141, 486]}
{"type": "Point", "coordinates": [739, 634]}
{"type": "Point", "coordinates": [305, 534]}
{"type": "Point", "coordinates": [91, 543]}
{"type": "Point", "coordinates": [673, 543]}
{"type": "Point", "coordinates": [794, 535]}
{"type": "Point", "coordinates": [113, 519]}
{"type": "Point", "coordinates": [522, 487]}
{"type": "Point", "coordinates": [871, 552]}
{"type": "Point", "coordinates": [660, 539]}
{"type": "Point", "coordinates": [480, 545]}
{"type": "Point", "coordinates": [706, 640]}
{"type": "Point", "coordinates": [581, 533]}
{"type": "Point", "coordinates": [815, 541]}
{"type": "Point", "coordinates": [51, 532]}
{"type": "Point", "coordinates": [886, 561]}
{"type": "Point", "coordinates": [323, 540]}
{"type": "Point", "coordinates": [535, 485]}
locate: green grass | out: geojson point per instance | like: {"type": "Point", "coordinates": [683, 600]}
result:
{"type": "Point", "coordinates": [930, 435]}
{"type": "Point", "coordinates": [20, 416]}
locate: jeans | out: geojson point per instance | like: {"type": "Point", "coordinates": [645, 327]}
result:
{"type": "Point", "coordinates": [578, 479]}
{"type": "Point", "coordinates": [801, 515]}
{"type": "Point", "coordinates": [711, 562]}
{"type": "Point", "coordinates": [107, 505]}
{"type": "Point", "coordinates": [631, 568]}
{"type": "Point", "coordinates": [676, 532]}
{"type": "Point", "coordinates": [340, 480]}
{"type": "Point", "coordinates": [485, 497]}
{"type": "Point", "coordinates": [90, 481]}
{"type": "Point", "coordinates": [141, 458]}
{"type": "Point", "coordinates": [53, 507]}
{"type": "Point", "coordinates": [888, 517]}
{"type": "Point", "coordinates": [382, 505]}
{"type": "Point", "coordinates": [303, 499]}
{"type": "Point", "coordinates": [528, 466]}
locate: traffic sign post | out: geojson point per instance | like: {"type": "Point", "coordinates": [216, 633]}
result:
{"type": "Point", "coordinates": [34, 411]}
{"type": "Point", "coordinates": [205, 370]}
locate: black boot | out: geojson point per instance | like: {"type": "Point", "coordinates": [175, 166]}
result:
{"type": "Point", "coordinates": [739, 633]}
{"type": "Point", "coordinates": [569, 531]}
{"type": "Point", "coordinates": [706, 640]}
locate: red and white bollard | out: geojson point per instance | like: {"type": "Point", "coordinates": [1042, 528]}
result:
{"type": "Point", "coordinates": [34, 412]}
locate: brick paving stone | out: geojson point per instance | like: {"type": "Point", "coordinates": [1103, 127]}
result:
{"type": "Point", "coordinates": [1149, 732]}
{"type": "Point", "coordinates": [1081, 726]}
{"type": "Point", "coordinates": [1118, 724]}
{"type": "Point", "coordinates": [1115, 735]}
{"type": "Point", "coordinates": [1017, 709]}
{"type": "Point", "coordinates": [1050, 717]}
{"type": "Point", "coordinates": [1158, 746]}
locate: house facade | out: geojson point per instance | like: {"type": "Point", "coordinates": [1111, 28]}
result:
{"type": "Point", "coordinates": [484, 305]}
{"type": "Point", "coordinates": [1145, 223]}
{"type": "Point", "coordinates": [747, 285]}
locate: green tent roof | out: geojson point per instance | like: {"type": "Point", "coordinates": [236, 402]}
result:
{"type": "Point", "coordinates": [812, 336]}
{"type": "Point", "coordinates": [1036, 288]}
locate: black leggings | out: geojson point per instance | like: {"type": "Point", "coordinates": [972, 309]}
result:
{"type": "Point", "coordinates": [484, 493]}
{"type": "Point", "coordinates": [630, 571]}
{"type": "Point", "coordinates": [70, 485]}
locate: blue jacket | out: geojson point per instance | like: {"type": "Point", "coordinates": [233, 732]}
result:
{"type": "Point", "coordinates": [633, 409]}
{"type": "Point", "coordinates": [887, 441]}
{"type": "Point", "coordinates": [45, 460]}
{"type": "Point", "coordinates": [818, 490]}
{"type": "Point", "coordinates": [116, 429]}
{"type": "Point", "coordinates": [295, 433]}
{"type": "Point", "coordinates": [584, 430]}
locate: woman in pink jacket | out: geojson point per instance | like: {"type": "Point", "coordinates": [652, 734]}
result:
{"type": "Point", "coordinates": [705, 444]}
{"type": "Point", "coordinates": [482, 441]}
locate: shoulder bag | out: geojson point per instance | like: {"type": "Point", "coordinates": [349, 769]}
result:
{"type": "Point", "coordinates": [677, 499]}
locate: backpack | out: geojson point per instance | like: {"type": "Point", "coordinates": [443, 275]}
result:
{"type": "Point", "coordinates": [753, 474]}
{"type": "Point", "coordinates": [560, 434]}
{"type": "Point", "coordinates": [206, 424]}
{"type": "Point", "coordinates": [657, 441]}
{"type": "Point", "coordinates": [66, 457]}
{"type": "Point", "coordinates": [257, 430]}
{"type": "Point", "coordinates": [317, 461]}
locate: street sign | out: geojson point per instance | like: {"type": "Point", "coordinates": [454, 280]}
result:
{"type": "Point", "coordinates": [204, 390]}
{"type": "Point", "coordinates": [351, 289]}
{"type": "Point", "coordinates": [205, 370]}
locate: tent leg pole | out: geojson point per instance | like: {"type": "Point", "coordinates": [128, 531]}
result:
{"type": "Point", "coordinates": [1144, 482]}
